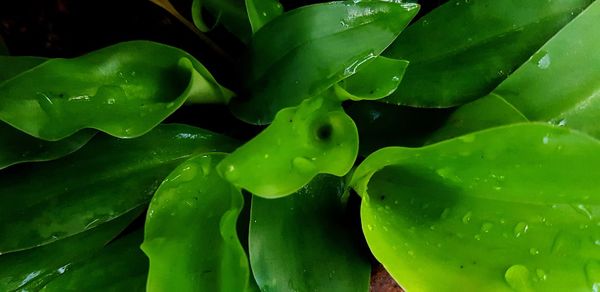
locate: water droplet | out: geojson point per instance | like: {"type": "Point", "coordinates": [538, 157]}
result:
{"type": "Point", "coordinates": [188, 172]}
{"type": "Point", "coordinates": [370, 227]}
{"type": "Point", "coordinates": [544, 62]}
{"type": "Point", "coordinates": [110, 101]}
{"type": "Point", "coordinates": [486, 227]}
{"type": "Point", "coordinates": [231, 173]}
{"type": "Point", "coordinates": [520, 229]}
{"type": "Point", "coordinates": [582, 209]}
{"type": "Point", "coordinates": [517, 277]}
{"type": "Point", "coordinates": [541, 274]}
{"type": "Point", "coordinates": [534, 251]}
{"type": "Point", "coordinates": [445, 213]}
{"type": "Point", "coordinates": [467, 217]}
{"type": "Point", "coordinates": [411, 253]}
{"type": "Point", "coordinates": [304, 165]}
{"type": "Point", "coordinates": [592, 274]}
{"type": "Point", "coordinates": [545, 139]}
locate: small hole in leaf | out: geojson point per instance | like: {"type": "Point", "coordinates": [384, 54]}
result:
{"type": "Point", "coordinates": [324, 132]}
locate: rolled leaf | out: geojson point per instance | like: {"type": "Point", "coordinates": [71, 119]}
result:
{"type": "Point", "coordinates": [513, 208]}
{"type": "Point", "coordinates": [124, 90]}
{"type": "Point", "coordinates": [305, 51]}
{"type": "Point", "coordinates": [108, 177]}
{"type": "Point", "coordinates": [315, 137]}
{"type": "Point", "coordinates": [465, 48]}
{"type": "Point", "coordinates": [31, 269]}
{"type": "Point", "coordinates": [260, 12]}
{"type": "Point", "coordinates": [190, 232]}
{"type": "Point", "coordinates": [375, 80]}
{"type": "Point", "coordinates": [558, 84]}
{"type": "Point", "coordinates": [306, 242]}
{"type": "Point", "coordinates": [120, 266]}
{"type": "Point", "coordinates": [231, 14]}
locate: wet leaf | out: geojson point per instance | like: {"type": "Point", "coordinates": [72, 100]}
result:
{"type": "Point", "coordinates": [43, 202]}
{"type": "Point", "coordinates": [260, 12]}
{"type": "Point", "coordinates": [124, 90]}
{"type": "Point", "coordinates": [306, 50]}
{"type": "Point", "coordinates": [31, 269]}
{"type": "Point", "coordinates": [190, 231]}
{"type": "Point", "coordinates": [510, 208]}
{"type": "Point", "coordinates": [465, 48]}
{"type": "Point", "coordinates": [315, 137]}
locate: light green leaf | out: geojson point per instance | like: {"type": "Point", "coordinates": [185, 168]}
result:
{"type": "Point", "coordinates": [31, 269]}
{"type": "Point", "coordinates": [120, 266]}
{"type": "Point", "coordinates": [305, 51]}
{"type": "Point", "coordinates": [306, 242]}
{"type": "Point", "coordinates": [43, 202]}
{"type": "Point", "coordinates": [124, 90]}
{"type": "Point", "coordinates": [558, 84]}
{"type": "Point", "coordinates": [375, 80]}
{"type": "Point", "coordinates": [507, 209]}
{"type": "Point", "coordinates": [465, 48]}
{"type": "Point", "coordinates": [315, 137]}
{"type": "Point", "coordinates": [190, 231]}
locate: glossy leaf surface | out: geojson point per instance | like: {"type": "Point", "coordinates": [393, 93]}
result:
{"type": "Point", "coordinates": [120, 266]}
{"type": "Point", "coordinates": [16, 146]}
{"type": "Point", "coordinates": [231, 14]}
{"type": "Point", "coordinates": [471, 46]}
{"type": "Point", "coordinates": [262, 11]}
{"type": "Point", "coordinates": [513, 208]}
{"type": "Point", "coordinates": [306, 242]}
{"type": "Point", "coordinates": [559, 84]}
{"type": "Point", "coordinates": [190, 231]}
{"type": "Point", "coordinates": [124, 90]}
{"type": "Point", "coordinates": [305, 51]}
{"type": "Point", "coordinates": [315, 137]}
{"type": "Point", "coordinates": [31, 269]}
{"type": "Point", "coordinates": [47, 201]}
{"type": "Point", "coordinates": [375, 80]}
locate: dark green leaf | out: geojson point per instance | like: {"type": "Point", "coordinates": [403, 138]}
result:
{"type": "Point", "coordinates": [305, 51]}
{"type": "Point", "coordinates": [120, 266]}
{"type": "Point", "coordinates": [13, 66]}
{"type": "Point", "coordinates": [465, 48]}
{"type": "Point", "coordinates": [303, 141]}
{"type": "Point", "coordinates": [559, 84]}
{"type": "Point", "coordinates": [231, 14]}
{"type": "Point", "coordinates": [261, 12]}
{"type": "Point", "coordinates": [513, 208]}
{"type": "Point", "coordinates": [190, 234]}
{"type": "Point", "coordinates": [304, 242]}
{"type": "Point", "coordinates": [47, 201]}
{"type": "Point", "coordinates": [30, 269]}
{"type": "Point", "coordinates": [124, 90]}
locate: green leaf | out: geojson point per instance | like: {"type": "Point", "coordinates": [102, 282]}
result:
{"type": "Point", "coordinates": [31, 269]}
{"type": "Point", "coordinates": [124, 90]}
{"type": "Point", "coordinates": [510, 208]}
{"type": "Point", "coordinates": [465, 48]}
{"type": "Point", "coordinates": [231, 13]}
{"type": "Point", "coordinates": [47, 201]}
{"type": "Point", "coordinates": [558, 84]}
{"type": "Point", "coordinates": [16, 146]}
{"type": "Point", "coordinates": [305, 51]}
{"type": "Point", "coordinates": [120, 266]}
{"type": "Point", "coordinates": [190, 234]}
{"type": "Point", "coordinates": [305, 242]}
{"type": "Point", "coordinates": [375, 80]}
{"type": "Point", "coordinates": [315, 137]}
{"type": "Point", "coordinates": [260, 12]}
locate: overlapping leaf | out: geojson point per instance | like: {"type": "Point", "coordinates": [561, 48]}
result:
{"type": "Point", "coordinates": [47, 201]}
{"type": "Point", "coordinates": [315, 137]}
{"type": "Point", "coordinates": [120, 266]}
{"type": "Point", "coordinates": [306, 242]}
{"type": "Point", "coordinates": [305, 51]}
{"type": "Point", "coordinates": [559, 84]}
{"type": "Point", "coordinates": [31, 269]}
{"type": "Point", "coordinates": [190, 231]}
{"type": "Point", "coordinates": [124, 90]}
{"type": "Point", "coordinates": [465, 48]}
{"type": "Point", "coordinates": [510, 208]}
